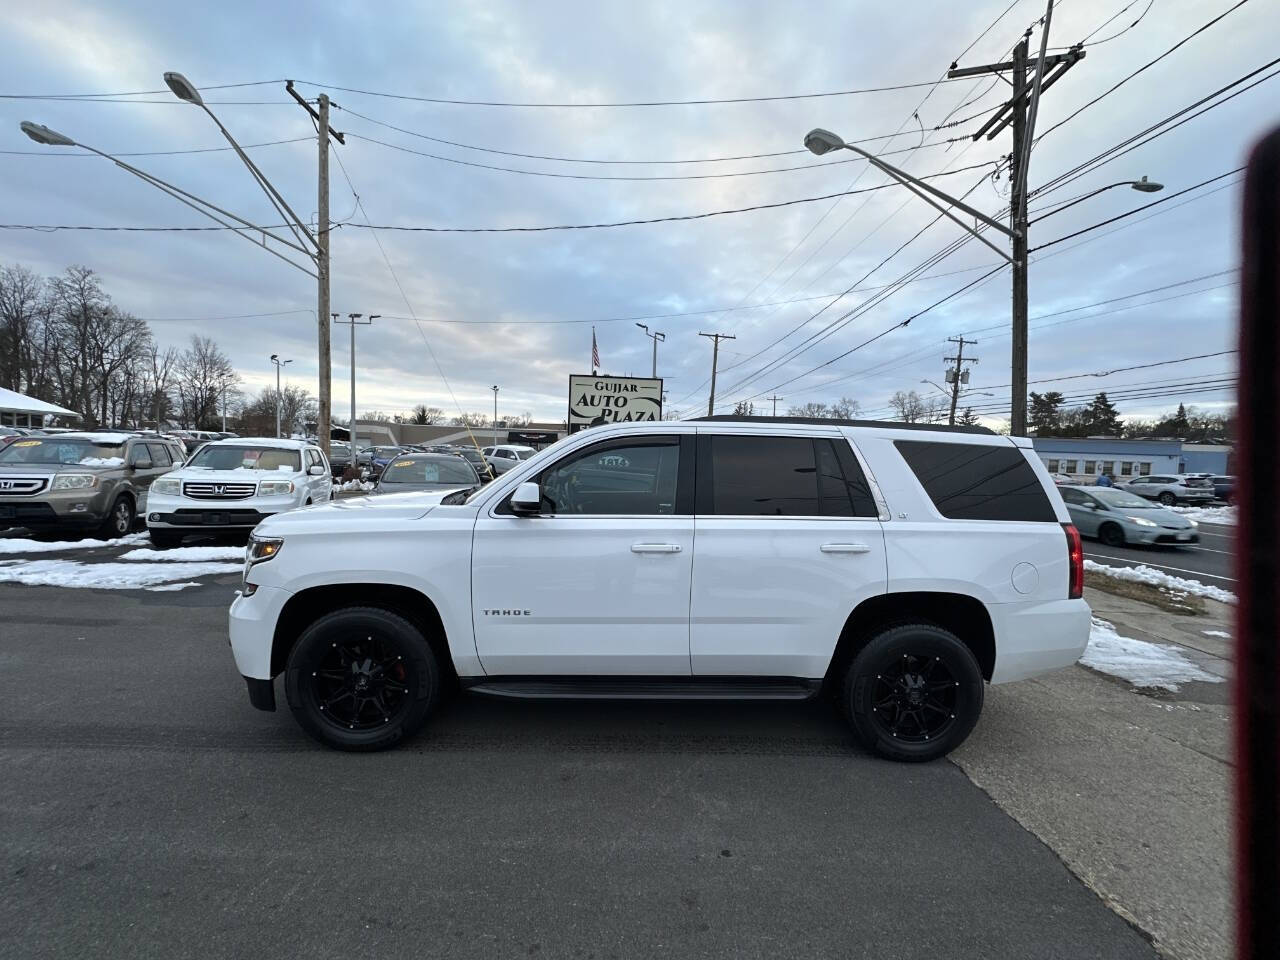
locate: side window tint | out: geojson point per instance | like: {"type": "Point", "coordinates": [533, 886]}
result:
{"type": "Point", "coordinates": [1072, 496]}
{"type": "Point", "coordinates": [763, 476]}
{"type": "Point", "coordinates": [610, 479]}
{"type": "Point", "coordinates": [977, 482]}
{"type": "Point", "coordinates": [859, 490]}
{"type": "Point", "coordinates": [159, 455]}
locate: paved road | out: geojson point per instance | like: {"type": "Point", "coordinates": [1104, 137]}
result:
{"type": "Point", "coordinates": [148, 811]}
{"type": "Point", "coordinates": [1210, 561]}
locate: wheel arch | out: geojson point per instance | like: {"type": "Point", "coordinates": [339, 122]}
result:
{"type": "Point", "coordinates": [307, 606]}
{"type": "Point", "coordinates": [964, 615]}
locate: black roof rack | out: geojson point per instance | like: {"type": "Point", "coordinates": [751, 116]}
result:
{"type": "Point", "coordinates": [828, 422]}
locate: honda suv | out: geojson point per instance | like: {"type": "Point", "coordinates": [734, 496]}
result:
{"type": "Point", "coordinates": [898, 569]}
{"type": "Point", "coordinates": [1172, 489]}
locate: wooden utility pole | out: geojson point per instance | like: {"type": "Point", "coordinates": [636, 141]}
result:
{"type": "Point", "coordinates": [959, 360]}
{"type": "Point", "coordinates": [715, 355]}
{"type": "Point", "coordinates": [322, 277]}
{"type": "Point", "coordinates": [775, 403]}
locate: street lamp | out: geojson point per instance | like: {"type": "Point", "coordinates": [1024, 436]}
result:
{"type": "Point", "coordinates": [494, 388]}
{"type": "Point", "coordinates": [275, 358]}
{"type": "Point", "coordinates": [656, 337]}
{"type": "Point", "coordinates": [1142, 186]}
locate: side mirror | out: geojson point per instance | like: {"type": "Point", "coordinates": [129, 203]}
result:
{"type": "Point", "coordinates": [315, 470]}
{"type": "Point", "coordinates": [527, 499]}
{"type": "Point", "coordinates": [141, 465]}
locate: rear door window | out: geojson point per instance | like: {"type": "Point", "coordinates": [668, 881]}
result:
{"type": "Point", "coordinates": [748, 475]}
{"type": "Point", "coordinates": [968, 481]}
{"type": "Point", "coordinates": [159, 455]}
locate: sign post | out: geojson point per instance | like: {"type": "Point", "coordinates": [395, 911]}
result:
{"type": "Point", "coordinates": [596, 400]}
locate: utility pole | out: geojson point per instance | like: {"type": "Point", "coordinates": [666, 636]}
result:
{"type": "Point", "coordinates": [775, 403]}
{"type": "Point", "coordinates": [715, 355]}
{"type": "Point", "coordinates": [1019, 111]}
{"type": "Point", "coordinates": [957, 372]}
{"type": "Point", "coordinates": [354, 319]}
{"type": "Point", "coordinates": [322, 277]}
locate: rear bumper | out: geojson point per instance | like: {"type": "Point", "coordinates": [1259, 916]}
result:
{"type": "Point", "coordinates": [1036, 638]}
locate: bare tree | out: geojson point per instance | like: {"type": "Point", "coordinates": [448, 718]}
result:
{"type": "Point", "coordinates": [422, 414]}
{"type": "Point", "coordinates": [518, 419]}
{"type": "Point", "coordinates": [908, 406]}
{"type": "Point", "coordinates": [846, 408]}
{"type": "Point", "coordinates": [24, 329]}
{"type": "Point", "coordinates": [203, 372]}
{"type": "Point", "coordinates": [161, 365]}
{"type": "Point", "coordinates": [471, 420]}
{"type": "Point", "coordinates": [812, 410]}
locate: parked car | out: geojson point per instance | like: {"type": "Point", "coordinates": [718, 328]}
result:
{"type": "Point", "coordinates": [89, 481]}
{"type": "Point", "coordinates": [1170, 489]}
{"type": "Point", "coordinates": [1224, 488]}
{"type": "Point", "coordinates": [431, 472]}
{"type": "Point", "coordinates": [477, 460]}
{"type": "Point", "coordinates": [339, 457]}
{"type": "Point", "coordinates": [505, 456]}
{"type": "Point", "coordinates": [9, 434]}
{"type": "Point", "coordinates": [1117, 517]}
{"type": "Point", "coordinates": [230, 486]}
{"type": "Point", "coordinates": [898, 567]}
{"type": "Point", "coordinates": [374, 459]}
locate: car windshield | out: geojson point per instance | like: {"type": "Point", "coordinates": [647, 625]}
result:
{"type": "Point", "coordinates": [1118, 498]}
{"type": "Point", "coordinates": [523, 453]}
{"type": "Point", "coordinates": [339, 448]}
{"type": "Point", "coordinates": [69, 450]}
{"type": "Point", "coordinates": [434, 470]}
{"type": "Point", "coordinates": [247, 457]}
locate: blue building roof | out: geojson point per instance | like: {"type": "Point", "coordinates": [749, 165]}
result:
{"type": "Point", "coordinates": [1113, 446]}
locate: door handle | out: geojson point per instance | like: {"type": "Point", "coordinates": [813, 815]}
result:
{"type": "Point", "coordinates": [655, 548]}
{"type": "Point", "coordinates": [845, 548]}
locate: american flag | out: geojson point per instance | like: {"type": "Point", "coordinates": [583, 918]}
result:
{"type": "Point", "coordinates": [595, 353]}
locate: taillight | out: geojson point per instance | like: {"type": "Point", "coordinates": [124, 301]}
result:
{"type": "Point", "coordinates": [1075, 561]}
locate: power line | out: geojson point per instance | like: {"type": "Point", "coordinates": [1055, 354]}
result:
{"type": "Point", "coordinates": [1108, 373]}
{"type": "Point", "coordinates": [131, 93]}
{"type": "Point", "coordinates": [151, 153]}
{"type": "Point", "coordinates": [1121, 33]}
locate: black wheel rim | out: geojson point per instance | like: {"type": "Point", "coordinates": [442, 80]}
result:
{"type": "Point", "coordinates": [360, 684]}
{"type": "Point", "coordinates": [913, 698]}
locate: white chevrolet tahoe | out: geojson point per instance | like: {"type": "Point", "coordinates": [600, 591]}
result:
{"type": "Point", "coordinates": [896, 568]}
{"type": "Point", "coordinates": [231, 485]}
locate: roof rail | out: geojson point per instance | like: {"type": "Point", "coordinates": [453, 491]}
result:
{"type": "Point", "coordinates": [831, 422]}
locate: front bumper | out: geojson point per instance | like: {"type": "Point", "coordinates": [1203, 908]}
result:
{"type": "Point", "coordinates": [1159, 535]}
{"type": "Point", "coordinates": [54, 508]}
{"type": "Point", "coordinates": [251, 625]}
{"type": "Point", "coordinates": [182, 513]}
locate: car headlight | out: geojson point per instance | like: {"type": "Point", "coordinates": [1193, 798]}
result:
{"type": "Point", "coordinates": [275, 488]}
{"type": "Point", "coordinates": [166, 486]}
{"type": "Point", "coordinates": [1194, 524]}
{"type": "Point", "coordinates": [74, 481]}
{"type": "Point", "coordinates": [262, 549]}
{"type": "Point", "coordinates": [1142, 521]}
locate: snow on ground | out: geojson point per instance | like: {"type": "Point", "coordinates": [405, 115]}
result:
{"type": "Point", "coordinates": [109, 576]}
{"type": "Point", "coordinates": [1141, 663]}
{"type": "Point", "coordinates": [19, 545]}
{"type": "Point", "coordinates": [183, 554]}
{"type": "Point", "coordinates": [169, 587]}
{"type": "Point", "coordinates": [1161, 580]}
{"type": "Point", "coordinates": [1217, 633]}
{"type": "Point", "coordinates": [1208, 514]}
{"type": "Point", "coordinates": [364, 485]}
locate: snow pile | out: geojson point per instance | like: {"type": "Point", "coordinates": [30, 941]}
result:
{"type": "Point", "coordinates": [363, 485]}
{"type": "Point", "coordinates": [19, 545]}
{"type": "Point", "coordinates": [1225, 515]}
{"type": "Point", "coordinates": [1161, 580]}
{"type": "Point", "coordinates": [102, 462]}
{"type": "Point", "coordinates": [109, 576]}
{"type": "Point", "coordinates": [186, 554]}
{"type": "Point", "coordinates": [1217, 633]}
{"type": "Point", "coordinates": [1141, 663]}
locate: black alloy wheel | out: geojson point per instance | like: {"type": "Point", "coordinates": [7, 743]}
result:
{"type": "Point", "coordinates": [914, 692]}
{"type": "Point", "coordinates": [360, 683]}
{"type": "Point", "coordinates": [1111, 535]}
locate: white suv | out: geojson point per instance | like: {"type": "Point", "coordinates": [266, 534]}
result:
{"type": "Point", "coordinates": [505, 456]}
{"type": "Point", "coordinates": [896, 568]}
{"type": "Point", "coordinates": [232, 485]}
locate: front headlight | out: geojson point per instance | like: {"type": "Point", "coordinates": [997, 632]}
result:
{"type": "Point", "coordinates": [262, 549]}
{"type": "Point", "coordinates": [166, 486]}
{"type": "Point", "coordinates": [1194, 524]}
{"type": "Point", "coordinates": [74, 481]}
{"type": "Point", "coordinates": [275, 488]}
{"type": "Point", "coordinates": [1142, 521]}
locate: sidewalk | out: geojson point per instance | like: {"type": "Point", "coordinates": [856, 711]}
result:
{"type": "Point", "coordinates": [1130, 789]}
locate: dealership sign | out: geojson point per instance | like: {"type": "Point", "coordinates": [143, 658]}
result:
{"type": "Point", "coordinates": [597, 400]}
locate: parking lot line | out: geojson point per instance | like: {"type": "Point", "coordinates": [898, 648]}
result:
{"type": "Point", "coordinates": [1161, 566]}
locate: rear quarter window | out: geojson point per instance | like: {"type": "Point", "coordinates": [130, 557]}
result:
{"type": "Point", "coordinates": [968, 481]}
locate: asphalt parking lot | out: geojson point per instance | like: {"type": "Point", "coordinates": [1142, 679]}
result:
{"type": "Point", "coordinates": [149, 811]}
{"type": "Point", "coordinates": [1209, 561]}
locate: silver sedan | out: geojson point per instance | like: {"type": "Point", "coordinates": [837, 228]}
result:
{"type": "Point", "coordinates": [1118, 517]}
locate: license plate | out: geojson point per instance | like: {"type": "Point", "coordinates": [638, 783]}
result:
{"type": "Point", "coordinates": [1184, 536]}
{"type": "Point", "coordinates": [8, 513]}
{"type": "Point", "coordinates": [215, 519]}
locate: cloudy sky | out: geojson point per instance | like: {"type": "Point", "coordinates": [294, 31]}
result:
{"type": "Point", "coordinates": [517, 308]}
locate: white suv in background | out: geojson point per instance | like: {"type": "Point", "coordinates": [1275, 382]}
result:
{"type": "Point", "coordinates": [898, 569]}
{"type": "Point", "coordinates": [232, 485]}
{"type": "Point", "coordinates": [505, 456]}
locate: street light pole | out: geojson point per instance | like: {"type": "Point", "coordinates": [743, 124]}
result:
{"type": "Point", "coordinates": [275, 358]}
{"type": "Point", "coordinates": [494, 388]}
{"type": "Point", "coordinates": [656, 337]}
{"type": "Point", "coordinates": [353, 319]}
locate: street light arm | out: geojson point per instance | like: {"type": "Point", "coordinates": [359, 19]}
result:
{"type": "Point", "coordinates": [1065, 206]}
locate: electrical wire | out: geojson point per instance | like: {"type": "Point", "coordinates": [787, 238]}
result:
{"type": "Point", "coordinates": [152, 153]}
{"type": "Point", "coordinates": [131, 93]}
{"type": "Point", "coordinates": [1121, 33]}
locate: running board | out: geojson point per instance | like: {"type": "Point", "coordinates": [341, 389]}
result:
{"type": "Point", "coordinates": [645, 688]}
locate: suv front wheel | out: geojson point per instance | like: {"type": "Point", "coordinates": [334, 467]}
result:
{"type": "Point", "coordinates": [361, 678]}
{"type": "Point", "coordinates": [914, 692]}
{"type": "Point", "coordinates": [119, 520]}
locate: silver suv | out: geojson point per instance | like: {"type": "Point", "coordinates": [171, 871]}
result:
{"type": "Point", "coordinates": [1170, 489]}
{"type": "Point", "coordinates": [85, 482]}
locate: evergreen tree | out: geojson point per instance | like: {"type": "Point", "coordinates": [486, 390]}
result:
{"type": "Point", "coordinates": [1102, 417]}
{"type": "Point", "coordinates": [1180, 425]}
{"type": "Point", "coordinates": [1044, 416]}
{"type": "Point", "coordinates": [967, 417]}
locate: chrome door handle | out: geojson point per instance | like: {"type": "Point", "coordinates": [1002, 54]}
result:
{"type": "Point", "coordinates": [845, 548]}
{"type": "Point", "coordinates": [655, 548]}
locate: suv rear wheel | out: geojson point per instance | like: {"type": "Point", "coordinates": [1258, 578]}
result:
{"type": "Point", "coordinates": [361, 678]}
{"type": "Point", "coordinates": [914, 692]}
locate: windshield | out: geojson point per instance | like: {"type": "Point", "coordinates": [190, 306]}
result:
{"type": "Point", "coordinates": [217, 457]}
{"type": "Point", "coordinates": [339, 448]}
{"type": "Point", "coordinates": [523, 453]}
{"type": "Point", "coordinates": [1118, 498]}
{"type": "Point", "coordinates": [67, 450]}
{"type": "Point", "coordinates": [436, 470]}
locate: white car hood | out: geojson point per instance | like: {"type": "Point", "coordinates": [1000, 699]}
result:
{"type": "Point", "coordinates": [241, 475]}
{"type": "Point", "coordinates": [357, 511]}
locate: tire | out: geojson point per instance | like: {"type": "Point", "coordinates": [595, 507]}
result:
{"type": "Point", "coordinates": [165, 539]}
{"type": "Point", "coordinates": [119, 520]}
{"type": "Point", "coordinates": [361, 650]}
{"type": "Point", "coordinates": [888, 718]}
{"type": "Point", "coordinates": [1167, 498]}
{"type": "Point", "coordinates": [1111, 535]}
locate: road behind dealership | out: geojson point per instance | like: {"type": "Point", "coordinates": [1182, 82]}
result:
{"type": "Point", "coordinates": [149, 811]}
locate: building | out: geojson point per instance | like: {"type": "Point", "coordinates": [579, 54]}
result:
{"type": "Point", "coordinates": [17, 410]}
{"type": "Point", "coordinates": [387, 433]}
{"type": "Point", "coordinates": [1085, 458]}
